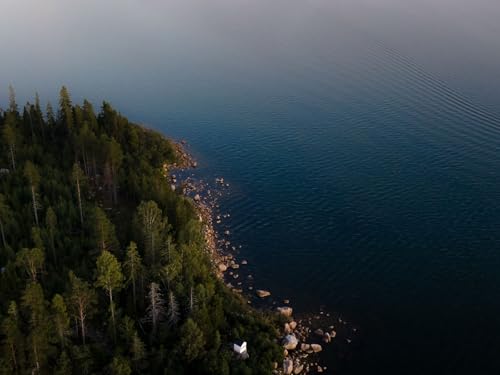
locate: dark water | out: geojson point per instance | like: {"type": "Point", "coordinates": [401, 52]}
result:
{"type": "Point", "coordinates": [361, 142]}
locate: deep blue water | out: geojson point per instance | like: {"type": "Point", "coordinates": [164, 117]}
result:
{"type": "Point", "coordinates": [361, 142]}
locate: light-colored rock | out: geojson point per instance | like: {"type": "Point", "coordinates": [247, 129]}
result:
{"type": "Point", "coordinates": [293, 325]}
{"type": "Point", "coordinates": [275, 365]}
{"type": "Point", "coordinates": [285, 311]}
{"type": "Point", "coordinates": [263, 293]}
{"type": "Point", "coordinates": [290, 342]}
{"type": "Point", "coordinates": [197, 198]}
{"type": "Point", "coordinates": [319, 369]}
{"type": "Point", "coordinates": [305, 347]}
{"type": "Point", "coordinates": [222, 267]}
{"type": "Point", "coordinates": [235, 266]}
{"type": "Point", "coordinates": [287, 328]}
{"type": "Point", "coordinates": [287, 366]}
{"type": "Point", "coordinates": [244, 262]}
{"type": "Point", "coordinates": [298, 369]}
{"type": "Point", "coordinates": [316, 348]}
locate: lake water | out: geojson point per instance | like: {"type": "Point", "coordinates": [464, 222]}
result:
{"type": "Point", "coordinates": [361, 140]}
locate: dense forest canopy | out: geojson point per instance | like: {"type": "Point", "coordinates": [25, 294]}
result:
{"type": "Point", "coordinates": [102, 266]}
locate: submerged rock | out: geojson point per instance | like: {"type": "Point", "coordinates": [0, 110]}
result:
{"type": "Point", "coordinates": [319, 332]}
{"type": "Point", "coordinates": [263, 293]}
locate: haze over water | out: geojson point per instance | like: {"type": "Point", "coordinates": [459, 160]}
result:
{"type": "Point", "coordinates": [361, 140]}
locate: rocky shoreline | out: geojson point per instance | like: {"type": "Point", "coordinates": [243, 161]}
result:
{"type": "Point", "coordinates": [303, 337]}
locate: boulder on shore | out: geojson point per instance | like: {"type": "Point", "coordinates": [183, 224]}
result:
{"type": "Point", "coordinates": [293, 325]}
{"type": "Point", "coordinates": [197, 198]}
{"type": "Point", "coordinates": [316, 348]}
{"type": "Point", "coordinates": [290, 342]}
{"type": "Point", "coordinates": [285, 311]}
{"type": "Point", "coordinates": [298, 369]}
{"type": "Point", "coordinates": [263, 293]}
{"type": "Point", "coordinates": [222, 267]}
{"type": "Point", "coordinates": [287, 366]}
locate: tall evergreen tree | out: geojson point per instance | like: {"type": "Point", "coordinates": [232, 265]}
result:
{"type": "Point", "coordinates": [151, 225]}
{"type": "Point", "coordinates": [5, 215]}
{"type": "Point", "coordinates": [78, 178]}
{"type": "Point", "coordinates": [31, 173]}
{"type": "Point", "coordinates": [110, 278]}
{"type": "Point", "coordinates": [82, 299]}
{"type": "Point", "coordinates": [10, 136]}
{"type": "Point", "coordinates": [13, 339]}
{"type": "Point", "coordinates": [51, 228]}
{"type": "Point", "coordinates": [60, 318]}
{"type": "Point", "coordinates": [133, 269]}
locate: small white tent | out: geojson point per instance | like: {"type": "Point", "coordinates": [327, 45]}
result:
{"type": "Point", "coordinates": [240, 347]}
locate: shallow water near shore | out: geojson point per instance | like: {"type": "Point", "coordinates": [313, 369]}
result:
{"type": "Point", "coordinates": [361, 143]}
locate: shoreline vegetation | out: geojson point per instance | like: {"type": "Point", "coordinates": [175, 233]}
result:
{"type": "Point", "coordinates": [110, 263]}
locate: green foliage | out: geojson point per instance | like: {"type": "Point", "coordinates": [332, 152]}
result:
{"type": "Point", "coordinates": [160, 309]}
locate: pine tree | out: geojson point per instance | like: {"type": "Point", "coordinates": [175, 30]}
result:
{"type": "Point", "coordinates": [31, 173]}
{"type": "Point", "coordinates": [109, 278]}
{"type": "Point", "coordinates": [82, 300]}
{"type": "Point", "coordinates": [51, 227]}
{"type": "Point", "coordinates": [173, 310]}
{"type": "Point", "coordinates": [77, 178]}
{"type": "Point", "coordinates": [60, 318]}
{"type": "Point", "coordinates": [133, 269]}
{"type": "Point", "coordinates": [13, 338]}
{"type": "Point", "coordinates": [10, 136]}
{"type": "Point", "coordinates": [105, 231]}
{"type": "Point", "coordinates": [32, 260]}
{"type": "Point", "coordinates": [156, 307]}
{"type": "Point", "coordinates": [65, 115]}
{"type": "Point", "coordinates": [33, 301]}
{"type": "Point", "coordinates": [192, 341]}
{"type": "Point", "coordinates": [5, 214]}
{"type": "Point", "coordinates": [151, 225]}
{"type": "Point", "coordinates": [115, 158]}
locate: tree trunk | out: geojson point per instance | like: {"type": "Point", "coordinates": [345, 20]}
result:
{"type": "Point", "coordinates": [153, 248]}
{"type": "Point", "coordinates": [79, 200]}
{"type": "Point", "coordinates": [12, 158]}
{"type": "Point", "coordinates": [133, 287]}
{"type": "Point", "coordinates": [82, 324]}
{"type": "Point", "coordinates": [33, 195]}
{"type": "Point", "coordinates": [112, 308]}
{"type": "Point", "coordinates": [14, 360]}
{"type": "Point", "coordinates": [3, 234]}
{"type": "Point", "coordinates": [36, 359]}
{"type": "Point", "coordinates": [113, 181]}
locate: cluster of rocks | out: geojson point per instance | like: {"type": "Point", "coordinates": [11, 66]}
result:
{"type": "Point", "coordinates": [299, 341]}
{"type": "Point", "coordinates": [300, 345]}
